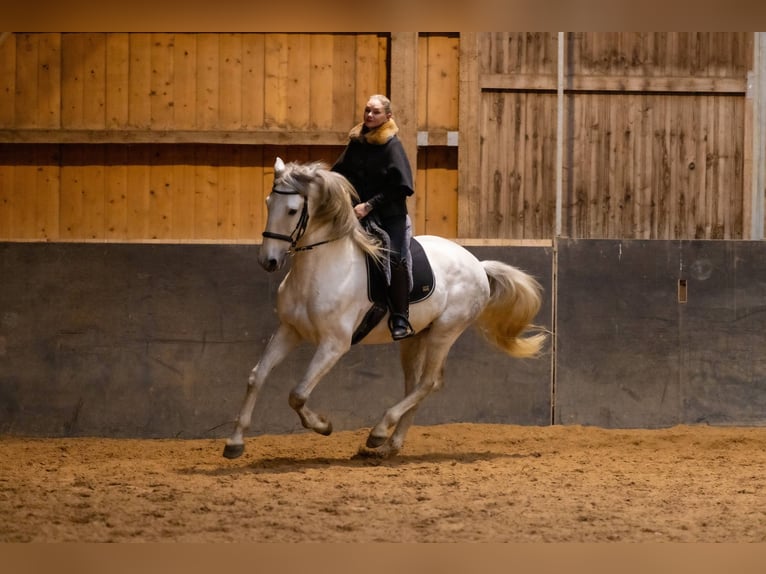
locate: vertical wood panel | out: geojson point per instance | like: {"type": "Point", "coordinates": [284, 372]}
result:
{"type": "Point", "coordinates": [49, 81]}
{"type": "Point", "coordinates": [346, 106]}
{"type": "Point", "coordinates": [208, 78]}
{"type": "Point", "coordinates": [252, 196]}
{"type": "Point", "coordinates": [70, 214]}
{"type": "Point", "coordinates": [297, 83]}
{"type": "Point", "coordinates": [162, 83]}
{"type": "Point", "coordinates": [139, 161]}
{"type": "Point", "coordinates": [93, 70]}
{"type": "Point", "coordinates": [321, 81]}
{"type": "Point", "coordinates": [185, 81]}
{"type": "Point", "coordinates": [139, 105]}
{"type": "Point", "coordinates": [275, 81]}
{"type": "Point", "coordinates": [470, 103]}
{"type": "Point", "coordinates": [26, 85]}
{"type": "Point", "coordinates": [181, 159]}
{"type": "Point", "coordinates": [230, 84]}
{"type": "Point", "coordinates": [206, 192]}
{"type": "Point", "coordinates": [367, 67]}
{"type": "Point", "coordinates": [8, 191]}
{"type": "Point", "coordinates": [8, 81]}
{"type": "Point", "coordinates": [253, 83]}
{"type": "Point", "coordinates": [438, 181]}
{"type": "Point", "coordinates": [116, 193]}
{"type": "Point", "coordinates": [160, 205]}
{"type": "Point", "coordinates": [72, 80]}
{"type": "Point", "coordinates": [117, 80]}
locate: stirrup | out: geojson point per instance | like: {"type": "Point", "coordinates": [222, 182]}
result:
{"type": "Point", "coordinates": [400, 327]}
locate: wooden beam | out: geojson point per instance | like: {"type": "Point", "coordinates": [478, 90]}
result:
{"type": "Point", "coordinates": [755, 135]}
{"type": "Point", "coordinates": [239, 137]}
{"type": "Point", "coordinates": [404, 99]}
{"type": "Point", "coordinates": [664, 84]}
{"type": "Point", "coordinates": [469, 157]}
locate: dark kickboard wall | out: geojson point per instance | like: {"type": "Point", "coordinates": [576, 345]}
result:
{"type": "Point", "coordinates": [658, 333]}
{"type": "Point", "coordinates": [150, 340]}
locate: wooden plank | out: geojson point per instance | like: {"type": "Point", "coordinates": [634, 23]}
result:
{"type": "Point", "coordinates": [252, 193]}
{"type": "Point", "coordinates": [94, 81]}
{"type": "Point", "coordinates": [8, 81]}
{"type": "Point", "coordinates": [366, 82]}
{"type": "Point", "coordinates": [230, 83]}
{"type": "Point", "coordinates": [441, 178]}
{"type": "Point", "coordinates": [469, 158]}
{"type": "Point", "coordinates": [160, 205]}
{"type": "Point", "coordinates": [297, 82]}
{"type": "Point", "coordinates": [49, 81]}
{"type": "Point", "coordinates": [184, 82]}
{"type": "Point", "coordinates": [253, 84]}
{"type": "Point", "coordinates": [181, 160]}
{"type": "Point", "coordinates": [26, 85]}
{"type": "Point", "coordinates": [206, 192]}
{"type": "Point", "coordinates": [131, 136]}
{"type": "Point", "coordinates": [138, 192]}
{"type": "Point", "coordinates": [117, 81]}
{"type": "Point", "coordinates": [404, 91]}
{"type": "Point", "coordinates": [275, 81]}
{"type": "Point", "coordinates": [116, 192]}
{"type": "Point", "coordinates": [72, 191]}
{"type": "Point", "coordinates": [24, 205]}
{"type": "Point", "coordinates": [139, 104]}
{"type": "Point", "coordinates": [47, 185]}
{"type": "Point", "coordinates": [7, 167]}
{"type": "Point", "coordinates": [208, 81]}
{"type": "Point", "coordinates": [229, 192]}
{"type": "Point", "coordinates": [162, 83]}
{"type": "Point", "coordinates": [321, 81]}
{"type": "Point", "coordinates": [442, 82]}
{"type": "Point", "coordinates": [93, 193]}
{"type": "Point", "coordinates": [346, 105]}
{"type": "Point", "coordinates": [547, 82]}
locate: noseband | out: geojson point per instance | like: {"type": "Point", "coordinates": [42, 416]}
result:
{"type": "Point", "coordinates": [300, 227]}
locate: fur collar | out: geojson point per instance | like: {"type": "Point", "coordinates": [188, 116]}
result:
{"type": "Point", "coordinates": [377, 136]}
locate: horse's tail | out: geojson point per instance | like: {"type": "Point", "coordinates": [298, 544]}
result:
{"type": "Point", "coordinates": [515, 299]}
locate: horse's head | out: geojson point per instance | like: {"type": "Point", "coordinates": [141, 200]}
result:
{"type": "Point", "coordinates": [303, 192]}
{"type": "Point", "coordinates": [287, 220]}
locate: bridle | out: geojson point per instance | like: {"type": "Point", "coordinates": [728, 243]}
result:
{"type": "Point", "coordinates": [300, 227]}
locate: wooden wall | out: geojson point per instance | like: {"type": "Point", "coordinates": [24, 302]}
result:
{"type": "Point", "coordinates": [655, 132]}
{"type": "Point", "coordinates": [171, 137]}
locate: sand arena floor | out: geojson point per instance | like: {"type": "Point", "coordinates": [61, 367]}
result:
{"type": "Point", "coordinates": [451, 483]}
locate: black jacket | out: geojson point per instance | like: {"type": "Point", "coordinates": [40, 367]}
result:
{"type": "Point", "coordinates": [375, 163]}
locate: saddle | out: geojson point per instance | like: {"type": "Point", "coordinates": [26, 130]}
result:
{"type": "Point", "coordinates": [421, 287]}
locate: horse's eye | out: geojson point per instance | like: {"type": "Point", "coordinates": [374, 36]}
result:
{"type": "Point", "coordinates": [292, 211]}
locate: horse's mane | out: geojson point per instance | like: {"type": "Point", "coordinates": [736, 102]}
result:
{"type": "Point", "coordinates": [335, 202]}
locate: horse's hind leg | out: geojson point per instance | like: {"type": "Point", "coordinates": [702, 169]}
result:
{"type": "Point", "coordinates": [327, 354]}
{"type": "Point", "coordinates": [283, 341]}
{"type": "Point", "coordinates": [435, 347]}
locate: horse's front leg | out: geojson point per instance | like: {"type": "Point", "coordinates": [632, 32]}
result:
{"type": "Point", "coordinates": [281, 343]}
{"type": "Point", "coordinates": [327, 354]}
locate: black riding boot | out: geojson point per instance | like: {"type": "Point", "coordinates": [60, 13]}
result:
{"type": "Point", "coordinates": [398, 298]}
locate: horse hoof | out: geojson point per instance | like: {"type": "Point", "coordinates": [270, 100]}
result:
{"type": "Point", "coordinates": [375, 441]}
{"type": "Point", "coordinates": [233, 450]}
{"type": "Point", "coordinates": [327, 431]}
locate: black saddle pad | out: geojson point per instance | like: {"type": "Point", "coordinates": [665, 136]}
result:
{"type": "Point", "coordinates": [422, 287]}
{"type": "Point", "coordinates": [422, 277]}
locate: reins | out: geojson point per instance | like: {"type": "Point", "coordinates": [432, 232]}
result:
{"type": "Point", "coordinates": [300, 227]}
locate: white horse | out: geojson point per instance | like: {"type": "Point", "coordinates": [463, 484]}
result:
{"type": "Point", "coordinates": [324, 297]}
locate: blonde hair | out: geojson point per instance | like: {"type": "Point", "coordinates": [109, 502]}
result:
{"type": "Point", "coordinates": [384, 101]}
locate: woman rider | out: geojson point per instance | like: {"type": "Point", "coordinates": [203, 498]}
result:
{"type": "Point", "coordinates": [375, 163]}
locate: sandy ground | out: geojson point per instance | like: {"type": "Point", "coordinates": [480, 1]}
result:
{"type": "Point", "coordinates": [458, 482]}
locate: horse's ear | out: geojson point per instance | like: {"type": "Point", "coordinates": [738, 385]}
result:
{"type": "Point", "coordinates": [279, 167]}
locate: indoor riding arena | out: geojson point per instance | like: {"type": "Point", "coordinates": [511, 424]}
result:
{"type": "Point", "coordinates": [626, 172]}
